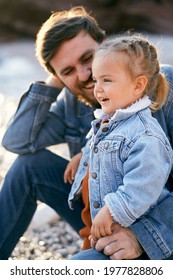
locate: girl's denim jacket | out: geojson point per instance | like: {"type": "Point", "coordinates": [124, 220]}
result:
{"type": "Point", "coordinates": [129, 160]}
{"type": "Point", "coordinates": [42, 119]}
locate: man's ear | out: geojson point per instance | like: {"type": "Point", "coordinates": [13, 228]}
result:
{"type": "Point", "coordinates": [140, 85]}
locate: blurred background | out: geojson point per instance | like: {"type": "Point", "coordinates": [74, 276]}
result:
{"type": "Point", "coordinates": [20, 20]}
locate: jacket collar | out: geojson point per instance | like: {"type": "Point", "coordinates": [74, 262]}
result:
{"type": "Point", "coordinates": [122, 114]}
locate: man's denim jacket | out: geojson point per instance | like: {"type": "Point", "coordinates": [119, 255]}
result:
{"type": "Point", "coordinates": [129, 158]}
{"type": "Point", "coordinates": [41, 121]}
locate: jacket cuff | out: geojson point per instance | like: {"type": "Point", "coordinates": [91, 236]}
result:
{"type": "Point", "coordinates": [40, 88]}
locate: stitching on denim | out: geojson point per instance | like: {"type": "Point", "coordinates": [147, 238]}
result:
{"type": "Point", "coordinates": [158, 239]}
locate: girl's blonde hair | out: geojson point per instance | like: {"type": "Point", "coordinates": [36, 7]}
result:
{"type": "Point", "coordinates": [142, 60]}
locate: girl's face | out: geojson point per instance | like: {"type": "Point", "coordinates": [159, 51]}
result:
{"type": "Point", "coordinates": [114, 87]}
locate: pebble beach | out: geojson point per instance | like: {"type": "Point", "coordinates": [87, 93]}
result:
{"type": "Point", "coordinates": [53, 239]}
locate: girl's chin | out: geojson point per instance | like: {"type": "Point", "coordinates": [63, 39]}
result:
{"type": "Point", "coordinates": [108, 112]}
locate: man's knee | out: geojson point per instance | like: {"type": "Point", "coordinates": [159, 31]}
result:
{"type": "Point", "coordinates": [32, 160]}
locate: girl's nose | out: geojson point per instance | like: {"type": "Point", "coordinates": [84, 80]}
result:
{"type": "Point", "coordinates": [98, 87]}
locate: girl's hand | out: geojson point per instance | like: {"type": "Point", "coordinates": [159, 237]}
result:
{"type": "Point", "coordinates": [121, 244]}
{"type": "Point", "coordinates": [101, 225]}
{"type": "Point", "coordinates": [71, 168]}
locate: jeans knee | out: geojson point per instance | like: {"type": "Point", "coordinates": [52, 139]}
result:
{"type": "Point", "coordinates": [30, 160]}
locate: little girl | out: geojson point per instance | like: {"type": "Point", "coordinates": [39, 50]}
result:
{"type": "Point", "coordinates": [128, 154]}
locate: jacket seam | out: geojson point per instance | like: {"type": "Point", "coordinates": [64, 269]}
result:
{"type": "Point", "coordinates": [157, 238]}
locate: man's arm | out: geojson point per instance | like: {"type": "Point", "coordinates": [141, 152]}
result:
{"type": "Point", "coordinates": [152, 235]}
{"type": "Point", "coordinates": [155, 230]}
{"type": "Point", "coordinates": [34, 126]}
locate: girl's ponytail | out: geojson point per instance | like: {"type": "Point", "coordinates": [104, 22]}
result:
{"type": "Point", "coordinates": [161, 94]}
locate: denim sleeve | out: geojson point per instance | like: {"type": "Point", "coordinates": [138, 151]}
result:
{"type": "Point", "coordinates": [168, 112]}
{"type": "Point", "coordinates": [34, 126]}
{"type": "Point", "coordinates": [168, 106]}
{"type": "Point", "coordinates": [149, 160]}
{"type": "Point", "coordinates": [155, 231]}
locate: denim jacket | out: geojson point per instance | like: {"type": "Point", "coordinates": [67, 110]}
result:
{"type": "Point", "coordinates": [43, 119]}
{"type": "Point", "coordinates": [129, 160]}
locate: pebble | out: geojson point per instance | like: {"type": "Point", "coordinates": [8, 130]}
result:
{"type": "Point", "coordinates": [53, 241]}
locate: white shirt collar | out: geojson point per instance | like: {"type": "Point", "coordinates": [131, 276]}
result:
{"type": "Point", "coordinates": [121, 114]}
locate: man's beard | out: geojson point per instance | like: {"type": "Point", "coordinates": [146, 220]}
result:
{"type": "Point", "coordinates": [84, 98]}
{"type": "Point", "coordinates": [92, 103]}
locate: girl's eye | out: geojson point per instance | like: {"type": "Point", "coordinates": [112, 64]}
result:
{"type": "Point", "coordinates": [107, 80]}
{"type": "Point", "coordinates": [94, 81]}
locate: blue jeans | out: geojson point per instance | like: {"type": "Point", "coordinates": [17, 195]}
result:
{"type": "Point", "coordinates": [33, 177]}
{"type": "Point", "coordinates": [92, 254]}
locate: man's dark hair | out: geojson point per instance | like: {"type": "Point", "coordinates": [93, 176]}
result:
{"type": "Point", "coordinates": [63, 26]}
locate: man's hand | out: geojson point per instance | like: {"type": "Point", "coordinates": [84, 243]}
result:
{"type": "Point", "coordinates": [121, 244]}
{"type": "Point", "coordinates": [54, 81]}
{"type": "Point", "coordinates": [71, 168]}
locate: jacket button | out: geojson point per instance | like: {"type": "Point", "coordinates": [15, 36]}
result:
{"type": "Point", "coordinates": [105, 129]}
{"type": "Point", "coordinates": [106, 145]}
{"type": "Point", "coordinates": [96, 204]}
{"type": "Point", "coordinates": [95, 150]}
{"type": "Point", "coordinates": [94, 175]}
{"type": "Point", "coordinates": [85, 163]}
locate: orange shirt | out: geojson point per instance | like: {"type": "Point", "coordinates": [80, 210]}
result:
{"type": "Point", "coordinates": [86, 217]}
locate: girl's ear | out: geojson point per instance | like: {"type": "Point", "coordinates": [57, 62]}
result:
{"type": "Point", "coordinates": [140, 85]}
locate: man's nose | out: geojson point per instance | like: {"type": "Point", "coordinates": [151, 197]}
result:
{"type": "Point", "coordinates": [84, 72]}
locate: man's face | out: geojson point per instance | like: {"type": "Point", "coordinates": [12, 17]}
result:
{"type": "Point", "coordinates": [72, 64]}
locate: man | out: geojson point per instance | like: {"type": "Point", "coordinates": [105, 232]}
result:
{"type": "Point", "coordinates": [65, 46]}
